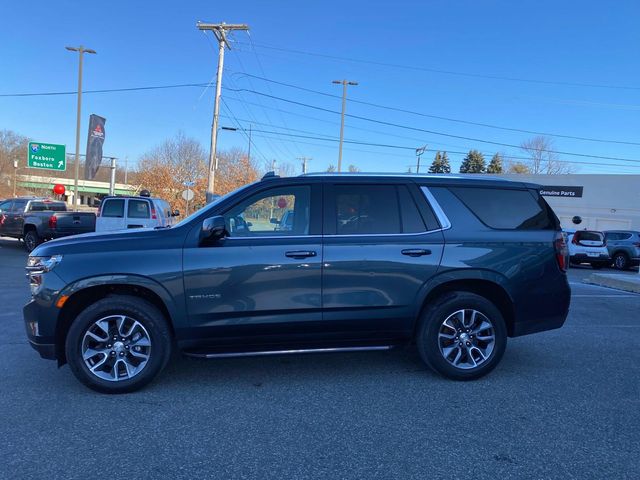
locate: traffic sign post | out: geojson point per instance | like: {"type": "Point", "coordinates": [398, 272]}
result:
{"type": "Point", "coordinates": [187, 195]}
{"type": "Point", "coordinates": [47, 156]}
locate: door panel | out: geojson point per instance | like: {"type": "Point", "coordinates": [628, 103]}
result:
{"type": "Point", "coordinates": [370, 286]}
{"type": "Point", "coordinates": [378, 254]}
{"type": "Point", "coordinates": [263, 283]}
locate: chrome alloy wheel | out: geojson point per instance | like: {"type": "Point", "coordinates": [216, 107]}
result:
{"type": "Point", "coordinates": [466, 339]}
{"type": "Point", "coordinates": [116, 348]}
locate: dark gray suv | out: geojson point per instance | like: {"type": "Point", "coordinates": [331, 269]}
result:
{"type": "Point", "coordinates": [455, 265]}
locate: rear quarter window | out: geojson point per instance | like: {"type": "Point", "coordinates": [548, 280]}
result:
{"type": "Point", "coordinates": [113, 208]}
{"type": "Point", "coordinates": [507, 209]}
{"type": "Point", "coordinates": [138, 209]}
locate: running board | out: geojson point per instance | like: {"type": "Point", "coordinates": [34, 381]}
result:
{"type": "Point", "coordinates": [264, 353]}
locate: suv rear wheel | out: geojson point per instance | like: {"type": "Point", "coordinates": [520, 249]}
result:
{"type": "Point", "coordinates": [462, 336]}
{"type": "Point", "coordinates": [118, 344]}
{"type": "Point", "coordinates": [621, 261]}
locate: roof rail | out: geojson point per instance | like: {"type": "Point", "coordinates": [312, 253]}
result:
{"type": "Point", "coordinates": [269, 175]}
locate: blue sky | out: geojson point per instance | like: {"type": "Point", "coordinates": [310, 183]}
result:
{"type": "Point", "coordinates": [556, 44]}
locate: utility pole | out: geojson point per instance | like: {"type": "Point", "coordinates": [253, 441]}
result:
{"type": "Point", "coordinates": [15, 176]}
{"type": "Point", "coordinates": [81, 51]}
{"type": "Point", "coordinates": [344, 105]}
{"type": "Point", "coordinates": [419, 152]}
{"type": "Point", "coordinates": [112, 177]}
{"type": "Point", "coordinates": [304, 163]}
{"type": "Point", "coordinates": [220, 30]}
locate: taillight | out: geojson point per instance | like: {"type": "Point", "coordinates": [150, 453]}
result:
{"type": "Point", "coordinates": [153, 213]}
{"type": "Point", "coordinates": [561, 251]}
{"type": "Point", "coordinates": [53, 222]}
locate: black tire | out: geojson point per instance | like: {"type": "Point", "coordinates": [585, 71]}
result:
{"type": "Point", "coordinates": [31, 240]}
{"type": "Point", "coordinates": [432, 320]}
{"type": "Point", "coordinates": [597, 266]}
{"type": "Point", "coordinates": [136, 308]}
{"type": "Point", "coordinates": [620, 261]}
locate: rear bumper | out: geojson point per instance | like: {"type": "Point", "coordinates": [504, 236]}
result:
{"type": "Point", "coordinates": [542, 307]}
{"type": "Point", "coordinates": [584, 258]}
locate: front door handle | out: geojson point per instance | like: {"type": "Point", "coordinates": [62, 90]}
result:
{"type": "Point", "coordinates": [300, 254]}
{"type": "Point", "coordinates": [416, 252]}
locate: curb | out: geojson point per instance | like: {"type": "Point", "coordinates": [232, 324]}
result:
{"type": "Point", "coordinates": [628, 283]}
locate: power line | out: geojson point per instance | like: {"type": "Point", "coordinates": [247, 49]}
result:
{"type": "Point", "coordinates": [412, 148]}
{"type": "Point", "coordinates": [445, 72]}
{"type": "Point", "coordinates": [434, 132]}
{"type": "Point", "coordinates": [438, 117]}
{"type": "Point", "coordinates": [319, 109]}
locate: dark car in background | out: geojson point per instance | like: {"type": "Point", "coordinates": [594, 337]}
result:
{"type": "Point", "coordinates": [35, 220]}
{"type": "Point", "coordinates": [624, 248]}
{"type": "Point", "coordinates": [370, 262]}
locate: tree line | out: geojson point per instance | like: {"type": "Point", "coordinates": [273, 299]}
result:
{"type": "Point", "coordinates": [539, 158]}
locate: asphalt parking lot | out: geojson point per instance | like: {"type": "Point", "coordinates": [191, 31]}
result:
{"type": "Point", "coordinates": [562, 404]}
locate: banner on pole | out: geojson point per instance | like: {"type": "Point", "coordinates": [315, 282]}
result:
{"type": "Point", "coordinates": [94, 146]}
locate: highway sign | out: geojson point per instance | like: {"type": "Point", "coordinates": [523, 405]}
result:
{"type": "Point", "coordinates": [47, 156]}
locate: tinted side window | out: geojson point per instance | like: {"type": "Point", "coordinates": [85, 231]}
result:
{"type": "Point", "coordinates": [113, 208]}
{"type": "Point", "coordinates": [138, 209]}
{"type": "Point", "coordinates": [5, 206]}
{"type": "Point", "coordinates": [507, 209]}
{"type": "Point", "coordinates": [412, 221]}
{"type": "Point", "coordinates": [366, 209]}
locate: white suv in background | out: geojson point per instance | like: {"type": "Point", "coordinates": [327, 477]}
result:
{"type": "Point", "coordinates": [122, 213]}
{"type": "Point", "coordinates": [588, 246]}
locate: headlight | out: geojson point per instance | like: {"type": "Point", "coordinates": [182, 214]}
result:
{"type": "Point", "coordinates": [43, 264]}
{"type": "Point", "coordinates": [36, 266]}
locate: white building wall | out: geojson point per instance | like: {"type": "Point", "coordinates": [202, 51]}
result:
{"type": "Point", "coordinates": [608, 202]}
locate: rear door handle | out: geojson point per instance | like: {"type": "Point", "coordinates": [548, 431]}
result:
{"type": "Point", "coordinates": [416, 252]}
{"type": "Point", "coordinates": [300, 254]}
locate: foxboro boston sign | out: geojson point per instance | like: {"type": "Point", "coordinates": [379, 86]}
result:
{"type": "Point", "coordinates": [561, 191]}
{"type": "Point", "coordinates": [46, 155]}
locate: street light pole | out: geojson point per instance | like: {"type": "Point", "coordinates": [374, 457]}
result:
{"type": "Point", "coordinates": [81, 51]}
{"type": "Point", "coordinates": [419, 152]}
{"type": "Point", "coordinates": [344, 84]}
{"type": "Point", "coordinates": [15, 176]}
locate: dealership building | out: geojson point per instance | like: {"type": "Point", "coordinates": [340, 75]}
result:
{"type": "Point", "coordinates": [603, 202]}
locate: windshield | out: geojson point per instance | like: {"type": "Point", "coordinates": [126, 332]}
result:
{"type": "Point", "coordinates": [210, 206]}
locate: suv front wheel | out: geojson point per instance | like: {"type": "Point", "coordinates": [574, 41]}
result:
{"type": "Point", "coordinates": [118, 344]}
{"type": "Point", "coordinates": [462, 336]}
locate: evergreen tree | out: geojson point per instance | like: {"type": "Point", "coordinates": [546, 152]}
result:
{"type": "Point", "coordinates": [446, 167]}
{"type": "Point", "coordinates": [440, 164]}
{"type": "Point", "coordinates": [495, 165]}
{"type": "Point", "coordinates": [473, 163]}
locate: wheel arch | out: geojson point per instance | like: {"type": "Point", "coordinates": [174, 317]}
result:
{"type": "Point", "coordinates": [88, 291]}
{"type": "Point", "coordinates": [489, 285]}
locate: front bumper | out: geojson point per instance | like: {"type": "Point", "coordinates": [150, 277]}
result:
{"type": "Point", "coordinates": [39, 332]}
{"type": "Point", "coordinates": [41, 316]}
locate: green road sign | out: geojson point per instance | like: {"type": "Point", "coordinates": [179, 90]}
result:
{"type": "Point", "coordinates": [47, 155]}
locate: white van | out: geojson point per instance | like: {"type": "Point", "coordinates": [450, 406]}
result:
{"type": "Point", "coordinates": [121, 213]}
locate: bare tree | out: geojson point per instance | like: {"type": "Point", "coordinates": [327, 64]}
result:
{"type": "Point", "coordinates": [542, 158]}
{"type": "Point", "coordinates": [165, 169]}
{"type": "Point", "coordinates": [517, 167]}
{"type": "Point", "coordinates": [353, 169]}
{"type": "Point", "coordinates": [12, 147]}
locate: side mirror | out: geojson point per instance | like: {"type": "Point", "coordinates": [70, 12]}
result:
{"type": "Point", "coordinates": [213, 229]}
{"type": "Point", "coordinates": [275, 221]}
{"type": "Point", "coordinates": [175, 213]}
